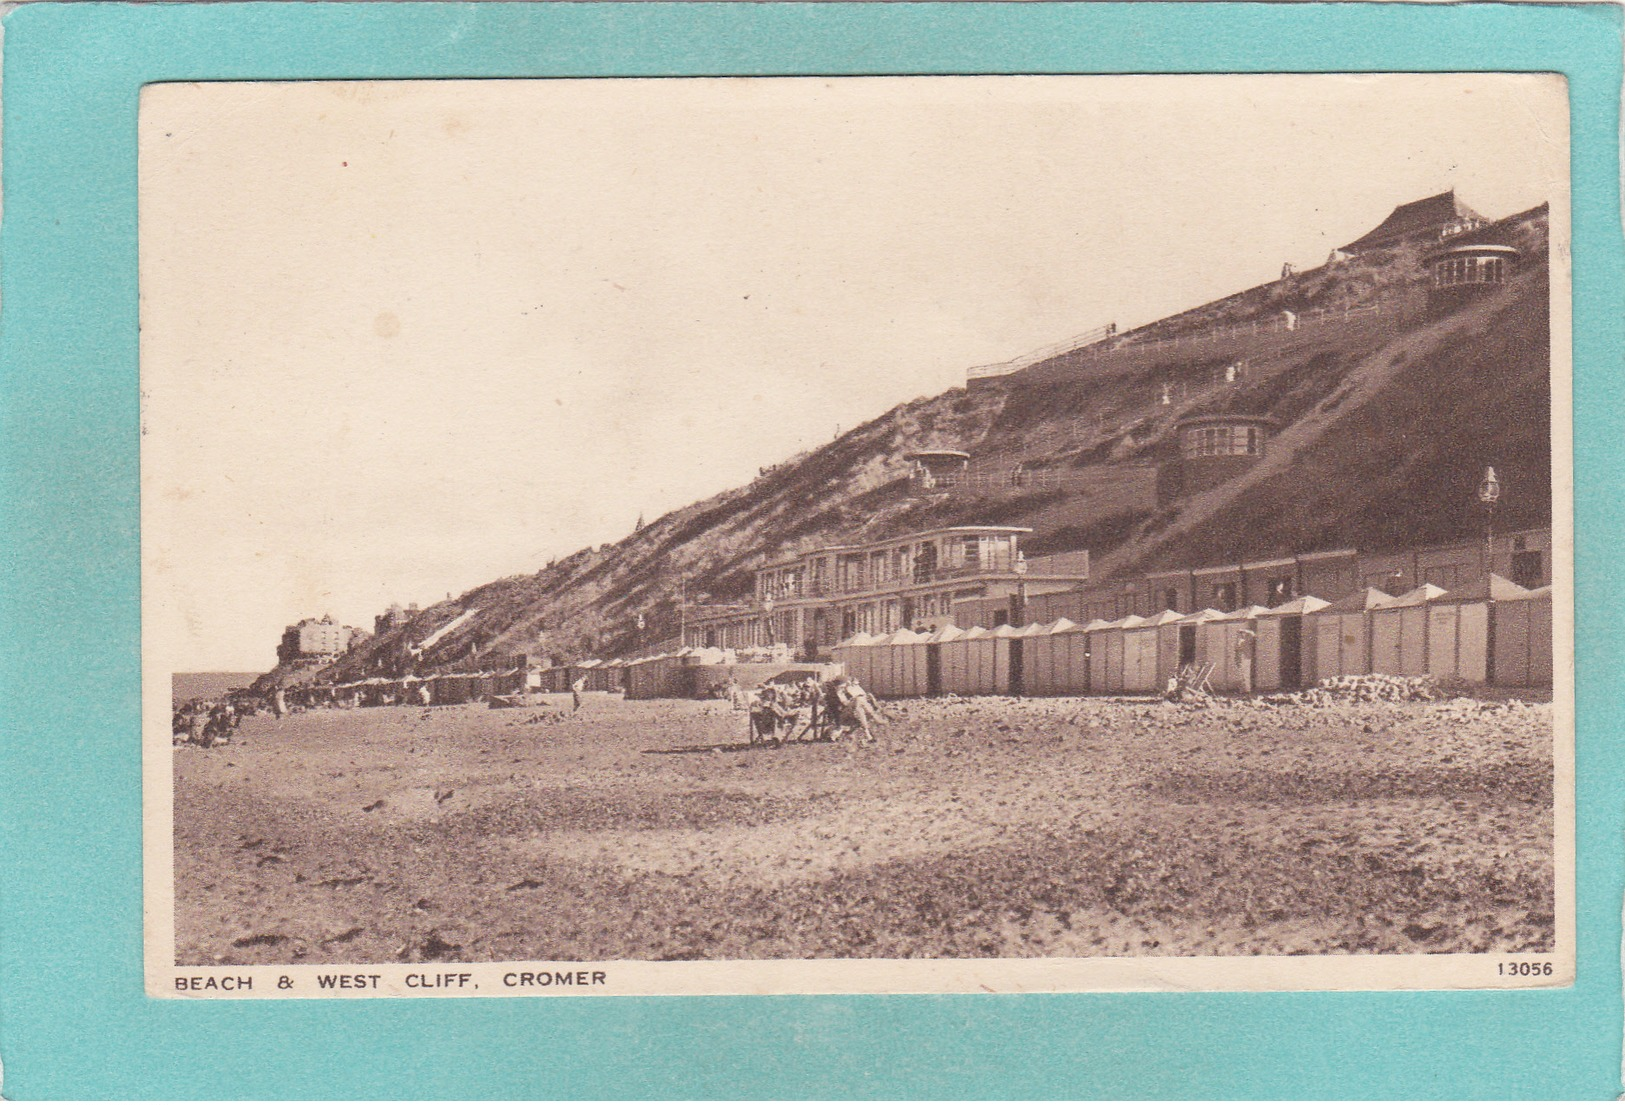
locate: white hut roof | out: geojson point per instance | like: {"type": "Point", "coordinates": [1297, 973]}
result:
{"type": "Point", "coordinates": [946, 633]}
{"type": "Point", "coordinates": [1416, 596]}
{"type": "Point", "coordinates": [1166, 617]}
{"type": "Point", "coordinates": [1200, 616]}
{"type": "Point", "coordinates": [1060, 625]}
{"type": "Point", "coordinates": [1303, 604]}
{"type": "Point", "coordinates": [1367, 598]}
{"type": "Point", "coordinates": [1245, 614]}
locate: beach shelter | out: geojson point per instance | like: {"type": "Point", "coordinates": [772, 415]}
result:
{"type": "Point", "coordinates": [1228, 643]}
{"type": "Point", "coordinates": [1459, 628]}
{"type": "Point", "coordinates": [1151, 652]}
{"type": "Point", "coordinates": [1399, 632]}
{"type": "Point", "coordinates": [1338, 637]}
{"type": "Point", "coordinates": [1281, 644]}
{"type": "Point", "coordinates": [1522, 633]}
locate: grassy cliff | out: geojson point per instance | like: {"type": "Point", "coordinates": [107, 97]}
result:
{"type": "Point", "coordinates": [1387, 421]}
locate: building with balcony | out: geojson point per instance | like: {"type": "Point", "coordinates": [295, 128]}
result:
{"type": "Point", "coordinates": [813, 600]}
{"type": "Point", "coordinates": [1464, 269]}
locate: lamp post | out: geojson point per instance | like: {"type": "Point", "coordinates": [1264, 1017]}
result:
{"type": "Point", "coordinates": [1489, 490]}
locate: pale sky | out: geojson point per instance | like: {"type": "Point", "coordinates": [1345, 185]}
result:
{"type": "Point", "coordinates": [403, 338]}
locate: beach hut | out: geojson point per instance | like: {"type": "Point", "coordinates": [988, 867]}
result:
{"type": "Point", "coordinates": [1228, 643]}
{"type": "Point", "coordinates": [853, 654]}
{"type": "Point", "coordinates": [907, 663]}
{"type": "Point", "coordinates": [933, 656]}
{"type": "Point", "coordinates": [1459, 628]}
{"type": "Point", "coordinates": [653, 677]}
{"type": "Point", "coordinates": [1151, 652]}
{"type": "Point", "coordinates": [1011, 644]}
{"type": "Point", "coordinates": [1023, 646]}
{"type": "Point", "coordinates": [977, 662]}
{"type": "Point", "coordinates": [879, 673]}
{"type": "Point", "coordinates": [1522, 632]}
{"type": "Point", "coordinates": [1338, 637]}
{"type": "Point", "coordinates": [1281, 644]}
{"type": "Point", "coordinates": [1094, 654]}
{"type": "Point", "coordinates": [1046, 662]}
{"type": "Point", "coordinates": [1107, 643]}
{"type": "Point", "coordinates": [1399, 632]}
{"type": "Point", "coordinates": [1184, 633]}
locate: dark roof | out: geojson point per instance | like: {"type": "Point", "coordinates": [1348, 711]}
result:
{"type": "Point", "coordinates": [1414, 217]}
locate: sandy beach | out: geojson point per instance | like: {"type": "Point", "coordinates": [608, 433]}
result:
{"type": "Point", "coordinates": [989, 827]}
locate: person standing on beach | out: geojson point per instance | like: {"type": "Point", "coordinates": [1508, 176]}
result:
{"type": "Point", "coordinates": [1244, 660]}
{"type": "Point", "coordinates": [575, 693]}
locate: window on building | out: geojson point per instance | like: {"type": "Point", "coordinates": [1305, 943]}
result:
{"type": "Point", "coordinates": [1170, 598]}
{"type": "Point", "coordinates": [1252, 441]}
{"type": "Point", "coordinates": [1280, 589]}
{"type": "Point", "coordinates": [1224, 596]}
{"type": "Point", "coordinates": [1490, 270]}
{"type": "Point", "coordinates": [1528, 568]}
{"type": "Point", "coordinates": [1441, 575]}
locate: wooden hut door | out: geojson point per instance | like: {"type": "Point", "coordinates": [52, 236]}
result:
{"type": "Point", "coordinates": [1018, 666]}
{"type": "Point", "coordinates": [1187, 645]}
{"type": "Point", "coordinates": [1291, 652]}
{"type": "Point", "coordinates": [933, 669]}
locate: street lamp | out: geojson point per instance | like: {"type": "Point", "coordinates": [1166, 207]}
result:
{"type": "Point", "coordinates": [1489, 490]}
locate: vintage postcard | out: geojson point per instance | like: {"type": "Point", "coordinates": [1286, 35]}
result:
{"type": "Point", "coordinates": [856, 535]}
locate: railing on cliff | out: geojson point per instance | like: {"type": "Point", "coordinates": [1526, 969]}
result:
{"type": "Point", "coordinates": [1085, 340]}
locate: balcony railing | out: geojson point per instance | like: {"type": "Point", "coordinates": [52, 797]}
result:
{"type": "Point", "coordinates": [863, 585]}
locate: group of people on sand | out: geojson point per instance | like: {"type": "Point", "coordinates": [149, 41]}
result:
{"type": "Point", "coordinates": [205, 723]}
{"type": "Point", "coordinates": [810, 709]}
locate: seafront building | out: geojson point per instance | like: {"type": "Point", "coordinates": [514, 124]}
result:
{"type": "Point", "coordinates": [813, 600]}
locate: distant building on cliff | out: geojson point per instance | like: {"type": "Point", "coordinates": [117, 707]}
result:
{"type": "Point", "coordinates": [311, 641]}
{"type": "Point", "coordinates": [1424, 220]}
{"type": "Point", "coordinates": [394, 618]}
{"type": "Point", "coordinates": [1466, 267]}
{"type": "Point", "coordinates": [1213, 449]}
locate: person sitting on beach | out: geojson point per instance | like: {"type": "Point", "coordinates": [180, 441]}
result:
{"type": "Point", "coordinates": [859, 711]}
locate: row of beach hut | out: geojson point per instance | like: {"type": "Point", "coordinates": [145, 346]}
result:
{"type": "Point", "coordinates": [1496, 632]}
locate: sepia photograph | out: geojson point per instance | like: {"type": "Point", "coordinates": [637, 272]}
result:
{"type": "Point", "coordinates": [858, 534]}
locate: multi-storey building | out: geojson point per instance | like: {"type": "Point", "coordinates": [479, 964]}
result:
{"type": "Point", "coordinates": [312, 641]}
{"type": "Point", "coordinates": [813, 600]}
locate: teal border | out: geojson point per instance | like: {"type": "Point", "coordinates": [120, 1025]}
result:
{"type": "Point", "coordinates": [73, 1020]}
